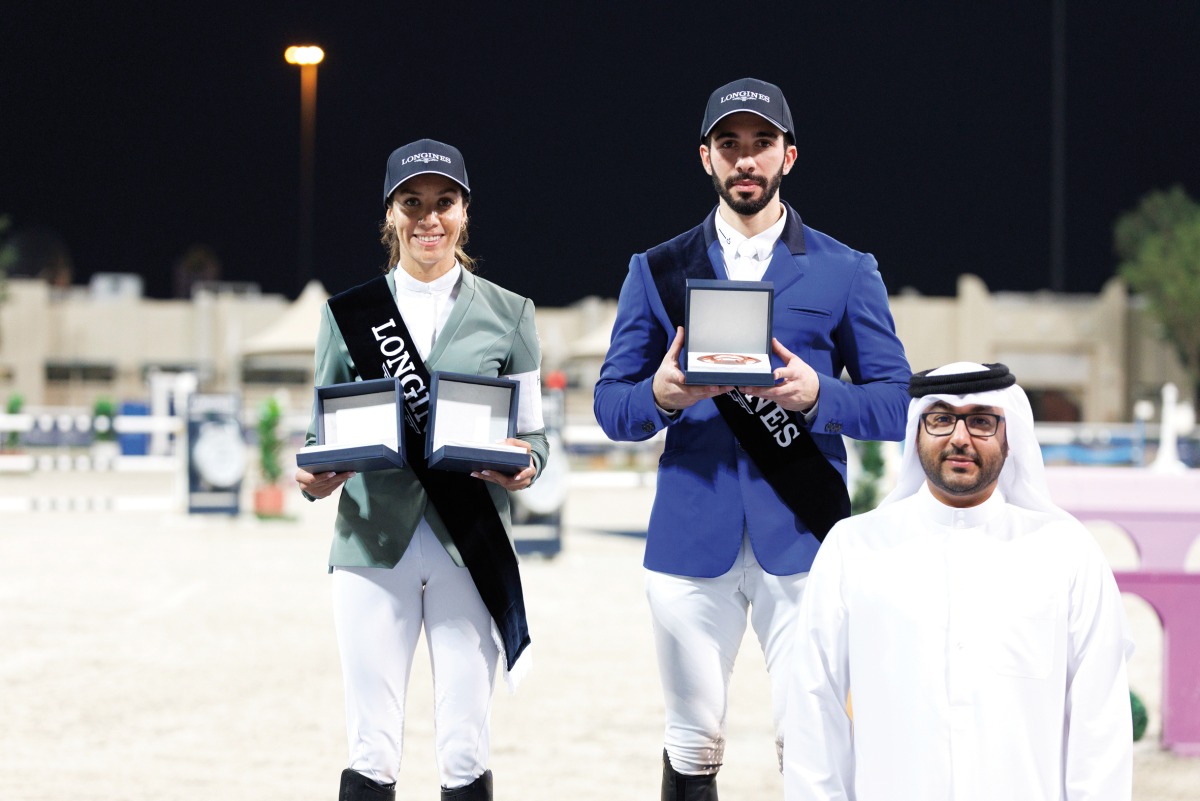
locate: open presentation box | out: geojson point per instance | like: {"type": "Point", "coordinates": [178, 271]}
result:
{"type": "Point", "coordinates": [469, 417]}
{"type": "Point", "coordinates": [727, 330]}
{"type": "Point", "coordinates": [360, 427]}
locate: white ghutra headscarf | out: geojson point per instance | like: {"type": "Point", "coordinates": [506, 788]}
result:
{"type": "Point", "coordinates": [1023, 478]}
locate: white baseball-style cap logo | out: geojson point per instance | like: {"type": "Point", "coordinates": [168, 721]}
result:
{"type": "Point", "coordinates": [426, 158]}
{"type": "Point", "coordinates": [745, 96]}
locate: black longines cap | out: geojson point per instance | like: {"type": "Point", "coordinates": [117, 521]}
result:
{"type": "Point", "coordinates": [421, 157]}
{"type": "Point", "coordinates": [749, 94]}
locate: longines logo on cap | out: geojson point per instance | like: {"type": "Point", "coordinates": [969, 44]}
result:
{"type": "Point", "coordinates": [425, 158]}
{"type": "Point", "coordinates": [745, 96]}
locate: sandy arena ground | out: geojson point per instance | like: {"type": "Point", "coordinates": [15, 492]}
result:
{"type": "Point", "coordinates": [150, 655]}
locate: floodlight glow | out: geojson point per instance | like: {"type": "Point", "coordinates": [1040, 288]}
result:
{"type": "Point", "coordinates": [304, 54]}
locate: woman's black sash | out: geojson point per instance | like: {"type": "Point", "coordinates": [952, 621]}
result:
{"type": "Point", "coordinates": [785, 454]}
{"type": "Point", "coordinates": [380, 345]}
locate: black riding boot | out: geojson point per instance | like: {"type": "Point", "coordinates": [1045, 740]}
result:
{"type": "Point", "coordinates": [478, 790]}
{"type": "Point", "coordinates": [357, 787]}
{"type": "Point", "coordinates": [678, 786]}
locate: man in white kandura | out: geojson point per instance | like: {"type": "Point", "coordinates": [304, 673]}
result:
{"type": "Point", "coordinates": [976, 625]}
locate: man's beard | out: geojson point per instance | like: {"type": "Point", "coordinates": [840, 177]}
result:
{"type": "Point", "coordinates": [747, 208]}
{"type": "Point", "coordinates": [989, 471]}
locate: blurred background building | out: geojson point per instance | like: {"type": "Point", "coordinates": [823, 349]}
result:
{"type": "Point", "coordinates": [1084, 358]}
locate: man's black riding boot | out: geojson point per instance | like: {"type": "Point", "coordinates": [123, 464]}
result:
{"type": "Point", "coordinates": [478, 790]}
{"type": "Point", "coordinates": [678, 786]}
{"type": "Point", "coordinates": [357, 787]}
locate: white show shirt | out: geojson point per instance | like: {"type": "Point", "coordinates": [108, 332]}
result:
{"type": "Point", "coordinates": [426, 307]}
{"type": "Point", "coordinates": [746, 259]}
{"type": "Point", "coordinates": [984, 650]}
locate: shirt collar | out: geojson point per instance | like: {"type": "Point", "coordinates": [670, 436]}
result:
{"type": "Point", "coordinates": [763, 243]}
{"type": "Point", "coordinates": [954, 517]}
{"type": "Point", "coordinates": [439, 286]}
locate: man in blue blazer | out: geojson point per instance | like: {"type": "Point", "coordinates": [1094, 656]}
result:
{"type": "Point", "coordinates": [751, 477]}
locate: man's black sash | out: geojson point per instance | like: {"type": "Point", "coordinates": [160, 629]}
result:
{"type": "Point", "coordinates": [380, 345]}
{"type": "Point", "coordinates": [786, 454]}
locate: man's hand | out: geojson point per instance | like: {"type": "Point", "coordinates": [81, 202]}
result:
{"type": "Point", "coordinates": [799, 384]}
{"type": "Point", "coordinates": [517, 481]}
{"type": "Point", "coordinates": [323, 484]}
{"type": "Point", "coordinates": [670, 393]}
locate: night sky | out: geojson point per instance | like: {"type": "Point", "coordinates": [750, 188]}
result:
{"type": "Point", "coordinates": [137, 130]}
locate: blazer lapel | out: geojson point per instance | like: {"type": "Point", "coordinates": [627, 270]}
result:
{"type": "Point", "coordinates": [717, 258]}
{"type": "Point", "coordinates": [712, 247]}
{"type": "Point", "coordinates": [466, 294]}
{"type": "Point", "coordinates": [789, 258]}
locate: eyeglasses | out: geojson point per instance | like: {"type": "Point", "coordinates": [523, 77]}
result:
{"type": "Point", "coordinates": [979, 424]}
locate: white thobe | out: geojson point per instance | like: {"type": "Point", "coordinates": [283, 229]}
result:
{"type": "Point", "coordinates": [985, 652]}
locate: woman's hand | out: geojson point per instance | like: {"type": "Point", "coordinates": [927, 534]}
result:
{"type": "Point", "coordinates": [321, 485]}
{"type": "Point", "coordinates": [517, 481]}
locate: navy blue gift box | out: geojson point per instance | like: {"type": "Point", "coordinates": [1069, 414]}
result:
{"type": "Point", "coordinates": [727, 333]}
{"type": "Point", "coordinates": [380, 397]}
{"type": "Point", "coordinates": [490, 408]}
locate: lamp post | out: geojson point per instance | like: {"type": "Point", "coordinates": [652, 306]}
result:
{"type": "Point", "coordinates": [307, 57]}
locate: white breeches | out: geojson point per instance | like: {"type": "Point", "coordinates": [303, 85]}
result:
{"type": "Point", "coordinates": [378, 614]}
{"type": "Point", "coordinates": [698, 627]}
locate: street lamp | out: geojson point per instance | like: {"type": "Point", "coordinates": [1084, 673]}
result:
{"type": "Point", "coordinates": [308, 57]}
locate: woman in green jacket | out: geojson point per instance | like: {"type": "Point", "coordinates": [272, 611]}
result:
{"type": "Point", "coordinates": [412, 548]}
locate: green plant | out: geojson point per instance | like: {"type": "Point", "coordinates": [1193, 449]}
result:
{"type": "Point", "coordinates": [12, 439]}
{"type": "Point", "coordinates": [269, 443]}
{"type": "Point", "coordinates": [1140, 718]}
{"type": "Point", "coordinates": [866, 487]}
{"type": "Point", "coordinates": [1159, 247]}
{"type": "Point", "coordinates": [104, 411]}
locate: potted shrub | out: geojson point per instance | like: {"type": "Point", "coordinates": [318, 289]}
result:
{"type": "Point", "coordinates": [268, 496]}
